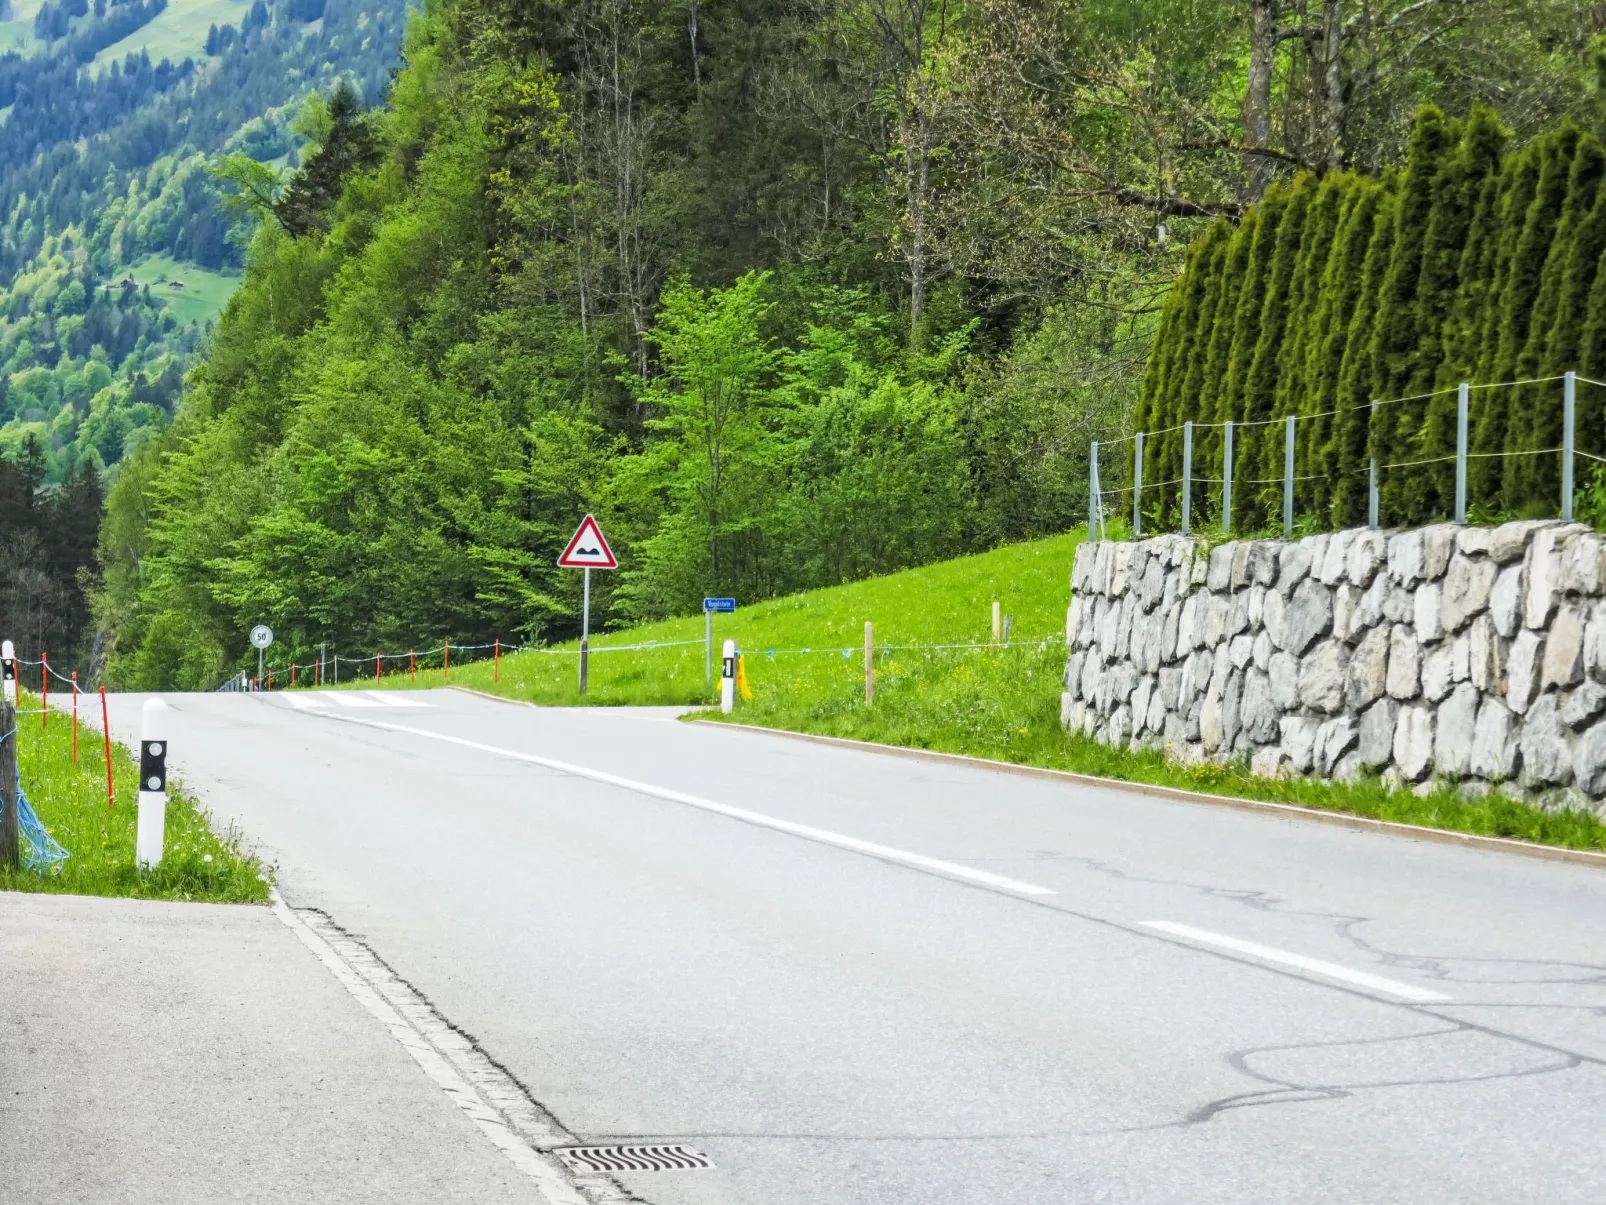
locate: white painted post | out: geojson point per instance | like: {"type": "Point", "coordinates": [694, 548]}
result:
{"type": "Point", "coordinates": [8, 666]}
{"type": "Point", "coordinates": [1371, 485]}
{"type": "Point", "coordinates": [585, 630]}
{"type": "Point", "coordinates": [1093, 490]}
{"type": "Point", "coordinates": [1461, 396]}
{"type": "Point", "coordinates": [727, 682]}
{"type": "Point", "coordinates": [1187, 474]}
{"type": "Point", "coordinates": [1569, 398]}
{"type": "Point", "coordinates": [1288, 478]}
{"type": "Point", "coordinates": [1226, 476]}
{"type": "Point", "coordinates": [1137, 487]}
{"type": "Point", "coordinates": [152, 783]}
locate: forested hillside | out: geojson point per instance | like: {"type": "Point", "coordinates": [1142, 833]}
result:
{"type": "Point", "coordinates": [114, 255]}
{"type": "Point", "coordinates": [787, 295]}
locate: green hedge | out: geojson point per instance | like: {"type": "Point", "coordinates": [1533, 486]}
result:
{"type": "Point", "coordinates": [1477, 262]}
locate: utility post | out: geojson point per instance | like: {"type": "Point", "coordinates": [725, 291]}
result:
{"type": "Point", "coordinates": [10, 830]}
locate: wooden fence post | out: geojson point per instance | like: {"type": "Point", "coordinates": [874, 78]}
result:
{"type": "Point", "coordinates": [10, 830]}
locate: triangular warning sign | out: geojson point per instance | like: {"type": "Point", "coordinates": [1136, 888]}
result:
{"type": "Point", "coordinates": [588, 550]}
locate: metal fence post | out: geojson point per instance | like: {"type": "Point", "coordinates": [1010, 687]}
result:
{"type": "Point", "coordinates": [1288, 478]}
{"type": "Point", "coordinates": [1569, 392]}
{"type": "Point", "coordinates": [1137, 487]}
{"type": "Point", "coordinates": [1093, 490]}
{"type": "Point", "coordinates": [1371, 485]}
{"type": "Point", "coordinates": [1187, 475]}
{"type": "Point", "coordinates": [1226, 476]}
{"type": "Point", "coordinates": [1461, 396]}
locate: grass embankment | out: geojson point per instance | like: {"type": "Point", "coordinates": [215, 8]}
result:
{"type": "Point", "coordinates": [984, 701]}
{"type": "Point", "coordinates": [70, 801]}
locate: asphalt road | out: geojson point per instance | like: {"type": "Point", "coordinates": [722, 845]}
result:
{"type": "Point", "coordinates": [852, 978]}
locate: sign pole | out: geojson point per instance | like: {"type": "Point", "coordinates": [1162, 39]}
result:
{"type": "Point", "coordinates": [708, 647]}
{"type": "Point", "coordinates": [585, 628]}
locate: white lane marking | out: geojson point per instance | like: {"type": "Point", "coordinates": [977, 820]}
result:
{"type": "Point", "coordinates": [351, 698]}
{"type": "Point", "coordinates": [302, 702]}
{"type": "Point", "coordinates": [886, 853]}
{"type": "Point", "coordinates": [549, 1180]}
{"type": "Point", "coordinates": [391, 699]}
{"type": "Point", "coordinates": [1315, 966]}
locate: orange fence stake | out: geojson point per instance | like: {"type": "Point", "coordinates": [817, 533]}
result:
{"type": "Point", "coordinates": [379, 666]}
{"type": "Point", "coordinates": [496, 663]}
{"type": "Point", "coordinates": [412, 668]}
{"type": "Point", "coordinates": [446, 660]}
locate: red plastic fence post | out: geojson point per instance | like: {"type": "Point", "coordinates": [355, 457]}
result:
{"type": "Point", "coordinates": [412, 667]}
{"type": "Point", "coordinates": [75, 717]}
{"type": "Point", "coordinates": [270, 677]}
{"type": "Point", "coordinates": [496, 662]}
{"type": "Point", "coordinates": [379, 667]}
{"type": "Point", "coordinates": [292, 675]}
{"type": "Point", "coordinates": [106, 731]}
{"type": "Point", "coordinates": [446, 661]}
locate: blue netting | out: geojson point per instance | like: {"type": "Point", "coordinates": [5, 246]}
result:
{"type": "Point", "coordinates": [44, 851]}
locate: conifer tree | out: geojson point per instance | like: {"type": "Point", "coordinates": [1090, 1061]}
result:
{"type": "Point", "coordinates": [1396, 333]}
{"type": "Point", "coordinates": [1213, 406]}
{"type": "Point", "coordinates": [1457, 193]}
{"type": "Point", "coordinates": [1537, 416]}
{"type": "Point", "coordinates": [1355, 432]}
{"type": "Point", "coordinates": [1591, 353]}
{"type": "Point", "coordinates": [1332, 301]}
{"type": "Point", "coordinates": [1488, 407]}
{"type": "Point", "coordinates": [1196, 405]}
{"type": "Point", "coordinates": [1245, 338]}
{"type": "Point", "coordinates": [1260, 384]}
{"type": "Point", "coordinates": [1517, 305]}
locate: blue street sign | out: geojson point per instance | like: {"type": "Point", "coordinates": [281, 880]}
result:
{"type": "Point", "coordinates": [719, 604]}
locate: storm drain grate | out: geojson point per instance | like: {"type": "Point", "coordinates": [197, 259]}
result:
{"type": "Point", "coordinates": [660, 1158]}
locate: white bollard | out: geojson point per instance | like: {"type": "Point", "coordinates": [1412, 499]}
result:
{"type": "Point", "coordinates": [152, 783]}
{"type": "Point", "coordinates": [8, 665]}
{"type": "Point", "coordinates": [727, 682]}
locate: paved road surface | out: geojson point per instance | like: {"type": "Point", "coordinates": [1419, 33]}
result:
{"type": "Point", "coordinates": [851, 978]}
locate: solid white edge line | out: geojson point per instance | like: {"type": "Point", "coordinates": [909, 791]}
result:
{"type": "Point", "coordinates": [549, 1180]}
{"type": "Point", "coordinates": [1315, 966]}
{"type": "Point", "coordinates": [886, 853]}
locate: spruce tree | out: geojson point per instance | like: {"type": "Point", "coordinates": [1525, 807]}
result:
{"type": "Point", "coordinates": [1591, 357]}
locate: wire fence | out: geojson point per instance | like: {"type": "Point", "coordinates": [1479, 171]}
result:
{"type": "Point", "coordinates": [1156, 505]}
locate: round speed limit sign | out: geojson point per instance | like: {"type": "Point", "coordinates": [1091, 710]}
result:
{"type": "Point", "coordinates": [261, 636]}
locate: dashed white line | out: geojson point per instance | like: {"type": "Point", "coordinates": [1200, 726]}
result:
{"type": "Point", "coordinates": [885, 853]}
{"type": "Point", "coordinates": [1316, 966]}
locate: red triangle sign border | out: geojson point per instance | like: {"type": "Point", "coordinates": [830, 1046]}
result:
{"type": "Point", "coordinates": [598, 557]}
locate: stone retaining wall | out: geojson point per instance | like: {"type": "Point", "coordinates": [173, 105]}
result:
{"type": "Point", "coordinates": [1470, 653]}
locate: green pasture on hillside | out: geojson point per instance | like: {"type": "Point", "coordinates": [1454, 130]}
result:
{"type": "Point", "coordinates": [178, 32]}
{"type": "Point", "coordinates": [796, 643]}
{"type": "Point", "coordinates": [804, 660]}
{"type": "Point", "coordinates": [203, 296]}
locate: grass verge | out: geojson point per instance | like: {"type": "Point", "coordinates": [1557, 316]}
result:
{"type": "Point", "coordinates": [70, 801]}
{"type": "Point", "coordinates": [981, 699]}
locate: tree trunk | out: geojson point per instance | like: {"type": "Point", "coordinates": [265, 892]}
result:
{"type": "Point", "coordinates": [1332, 99]}
{"type": "Point", "coordinates": [1257, 95]}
